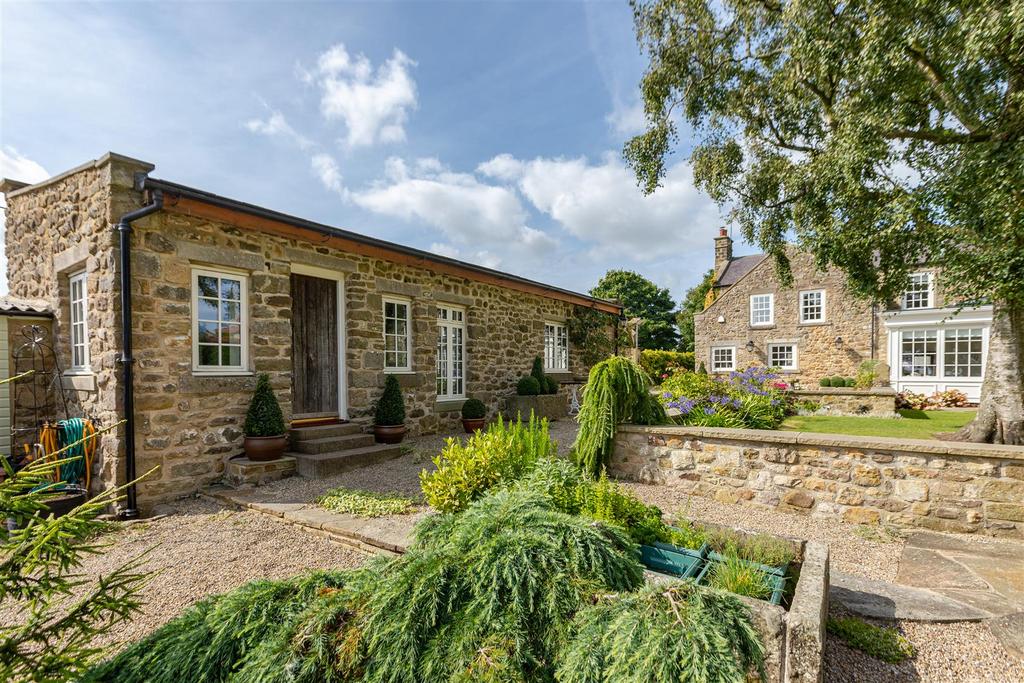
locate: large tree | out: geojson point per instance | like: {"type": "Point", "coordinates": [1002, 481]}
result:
{"type": "Point", "coordinates": [641, 298]}
{"type": "Point", "coordinates": [877, 134]}
{"type": "Point", "coordinates": [693, 302]}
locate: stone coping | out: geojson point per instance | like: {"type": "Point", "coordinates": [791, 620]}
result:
{"type": "Point", "coordinates": [872, 443]}
{"type": "Point", "coordinates": [844, 391]}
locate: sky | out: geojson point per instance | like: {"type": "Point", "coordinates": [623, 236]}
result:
{"type": "Point", "coordinates": [487, 131]}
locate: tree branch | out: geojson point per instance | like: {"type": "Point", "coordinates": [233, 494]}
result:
{"type": "Point", "coordinates": [938, 81]}
{"type": "Point", "coordinates": [939, 136]}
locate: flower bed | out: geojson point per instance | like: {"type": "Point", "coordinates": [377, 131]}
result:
{"type": "Point", "coordinates": [755, 398]}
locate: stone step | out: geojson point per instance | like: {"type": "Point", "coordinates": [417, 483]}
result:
{"type": "Point", "coordinates": [320, 465]}
{"type": "Point", "coordinates": [332, 444]}
{"type": "Point", "coordinates": [324, 431]}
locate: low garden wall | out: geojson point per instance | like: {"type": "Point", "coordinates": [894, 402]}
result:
{"type": "Point", "coordinates": [935, 485]}
{"type": "Point", "coordinates": [880, 401]}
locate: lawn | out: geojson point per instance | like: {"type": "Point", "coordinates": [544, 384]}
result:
{"type": "Point", "coordinates": [916, 424]}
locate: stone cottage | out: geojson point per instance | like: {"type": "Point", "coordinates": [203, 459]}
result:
{"type": "Point", "coordinates": [816, 328]}
{"type": "Point", "coordinates": [221, 290]}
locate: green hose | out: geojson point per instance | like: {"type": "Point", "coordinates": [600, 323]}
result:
{"type": "Point", "coordinates": [73, 430]}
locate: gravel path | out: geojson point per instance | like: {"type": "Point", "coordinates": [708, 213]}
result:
{"type": "Point", "coordinates": [202, 549]}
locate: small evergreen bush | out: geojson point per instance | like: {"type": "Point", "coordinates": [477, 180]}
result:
{"type": "Point", "coordinates": [390, 410]}
{"type": "Point", "coordinates": [537, 371]}
{"type": "Point", "coordinates": [551, 385]}
{"type": "Point", "coordinates": [264, 417]}
{"type": "Point", "coordinates": [838, 381]}
{"type": "Point", "coordinates": [474, 409]}
{"type": "Point", "coordinates": [825, 382]}
{"type": "Point", "coordinates": [528, 386]}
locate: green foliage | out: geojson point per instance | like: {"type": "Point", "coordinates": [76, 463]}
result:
{"type": "Point", "coordinates": [528, 386]}
{"type": "Point", "coordinates": [662, 634]}
{"type": "Point", "coordinates": [537, 372]}
{"type": "Point", "coordinates": [762, 548]}
{"type": "Point", "coordinates": [754, 399]}
{"type": "Point", "coordinates": [660, 365]}
{"type": "Point", "coordinates": [838, 381]}
{"type": "Point", "coordinates": [825, 382]}
{"type": "Point", "coordinates": [391, 406]}
{"type": "Point", "coordinates": [264, 417]}
{"type": "Point", "coordinates": [740, 577]}
{"type": "Point", "coordinates": [589, 334]}
{"type": "Point", "coordinates": [57, 612]}
{"type": "Point", "coordinates": [686, 534]}
{"type": "Point", "coordinates": [692, 303]}
{"type": "Point", "coordinates": [867, 374]}
{"type": "Point", "coordinates": [617, 391]}
{"type": "Point", "coordinates": [608, 502]}
{"type": "Point", "coordinates": [641, 298]}
{"type": "Point", "coordinates": [474, 409]}
{"type": "Point", "coordinates": [550, 384]}
{"type": "Point", "coordinates": [364, 503]}
{"type": "Point", "coordinates": [886, 644]}
{"type": "Point", "coordinates": [501, 454]}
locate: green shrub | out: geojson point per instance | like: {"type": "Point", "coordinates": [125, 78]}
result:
{"type": "Point", "coordinates": [740, 577]}
{"type": "Point", "coordinates": [660, 365]}
{"type": "Point", "coordinates": [617, 390]}
{"type": "Point", "coordinates": [474, 409]}
{"type": "Point", "coordinates": [528, 386]}
{"type": "Point", "coordinates": [606, 501]}
{"type": "Point", "coordinates": [867, 374]}
{"type": "Point", "coordinates": [762, 548]}
{"type": "Point", "coordinates": [659, 634]}
{"type": "Point", "coordinates": [391, 406]}
{"type": "Point", "coordinates": [364, 503]}
{"type": "Point", "coordinates": [557, 479]}
{"type": "Point", "coordinates": [537, 372]}
{"type": "Point", "coordinates": [838, 381]}
{"type": "Point", "coordinates": [686, 534]}
{"type": "Point", "coordinates": [755, 398]}
{"type": "Point", "coordinates": [849, 382]}
{"type": "Point", "coordinates": [264, 417]}
{"type": "Point", "coordinates": [551, 385]}
{"type": "Point", "coordinates": [825, 382]}
{"type": "Point", "coordinates": [885, 644]}
{"type": "Point", "coordinates": [501, 454]}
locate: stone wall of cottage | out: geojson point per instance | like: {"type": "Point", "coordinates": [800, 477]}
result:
{"type": "Point", "coordinates": [935, 485]}
{"type": "Point", "coordinates": [55, 229]}
{"type": "Point", "coordinates": [817, 353]}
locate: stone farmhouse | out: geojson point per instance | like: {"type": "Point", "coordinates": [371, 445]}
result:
{"type": "Point", "coordinates": [817, 328]}
{"type": "Point", "coordinates": [221, 290]}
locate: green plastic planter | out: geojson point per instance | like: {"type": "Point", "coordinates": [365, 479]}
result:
{"type": "Point", "coordinates": [673, 560]}
{"type": "Point", "coordinates": [776, 575]}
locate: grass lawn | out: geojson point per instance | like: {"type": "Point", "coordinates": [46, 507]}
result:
{"type": "Point", "coordinates": [916, 424]}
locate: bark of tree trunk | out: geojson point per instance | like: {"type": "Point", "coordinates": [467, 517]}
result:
{"type": "Point", "coordinates": [1001, 412]}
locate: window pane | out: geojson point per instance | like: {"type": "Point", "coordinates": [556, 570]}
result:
{"type": "Point", "coordinates": [231, 334]}
{"type": "Point", "coordinates": [231, 289]}
{"type": "Point", "coordinates": [208, 333]}
{"type": "Point", "coordinates": [207, 286]}
{"type": "Point", "coordinates": [231, 355]}
{"type": "Point", "coordinates": [208, 355]}
{"type": "Point", "coordinates": [230, 311]}
{"type": "Point", "coordinates": [207, 309]}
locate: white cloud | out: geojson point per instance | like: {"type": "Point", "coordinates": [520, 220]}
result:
{"type": "Point", "coordinates": [446, 250]}
{"type": "Point", "coordinates": [277, 125]}
{"type": "Point", "coordinates": [627, 119]}
{"type": "Point", "coordinates": [601, 204]}
{"type": "Point", "coordinates": [469, 213]}
{"type": "Point", "coordinates": [326, 169]}
{"type": "Point", "coordinates": [373, 103]}
{"type": "Point", "coordinates": [14, 166]}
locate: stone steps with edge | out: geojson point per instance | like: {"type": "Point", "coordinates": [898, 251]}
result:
{"type": "Point", "coordinates": [331, 444]}
{"type": "Point", "coordinates": [320, 465]}
{"type": "Point", "coordinates": [324, 431]}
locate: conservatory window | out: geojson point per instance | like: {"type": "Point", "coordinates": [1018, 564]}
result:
{"type": "Point", "coordinates": [918, 353]}
{"type": "Point", "coordinates": [962, 356]}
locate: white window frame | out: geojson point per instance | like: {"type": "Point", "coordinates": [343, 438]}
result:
{"type": "Point", "coordinates": [450, 324]}
{"type": "Point", "coordinates": [243, 319]}
{"type": "Point", "coordinates": [920, 337]}
{"type": "Point", "coordinates": [79, 324]}
{"type": "Point", "coordinates": [732, 359]}
{"type": "Point", "coordinates": [930, 293]}
{"type": "Point", "coordinates": [810, 321]}
{"type": "Point", "coordinates": [559, 341]}
{"type": "Point", "coordinates": [953, 334]}
{"type": "Point", "coordinates": [774, 345]}
{"type": "Point", "coordinates": [771, 310]}
{"type": "Point", "coordinates": [399, 301]}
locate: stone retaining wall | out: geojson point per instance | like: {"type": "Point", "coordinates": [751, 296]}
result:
{"type": "Point", "coordinates": [935, 485]}
{"type": "Point", "coordinates": [879, 401]}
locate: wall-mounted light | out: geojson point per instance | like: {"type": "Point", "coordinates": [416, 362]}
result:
{"type": "Point", "coordinates": [750, 347]}
{"type": "Point", "coordinates": [839, 342]}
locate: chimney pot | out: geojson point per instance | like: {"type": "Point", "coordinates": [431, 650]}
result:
{"type": "Point", "coordinates": [723, 232]}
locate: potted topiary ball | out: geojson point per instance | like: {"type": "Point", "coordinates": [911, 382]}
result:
{"type": "Point", "coordinates": [389, 419]}
{"type": "Point", "coordinates": [474, 414]}
{"type": "Point", "coordinates": [264, 424]}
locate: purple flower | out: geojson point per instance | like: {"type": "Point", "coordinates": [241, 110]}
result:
{"type": "Point", "coordinates": [709, 410]}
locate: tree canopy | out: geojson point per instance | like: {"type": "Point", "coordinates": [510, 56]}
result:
{"type": "Point", "coordinates": [641, 298]}
{"type": "Point", "coordinates": [692, 303]}
{"type": "Point", "coordinates": [878, 135]}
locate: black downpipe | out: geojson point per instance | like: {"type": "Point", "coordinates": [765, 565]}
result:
{"type": "Point", "coordinates": [124, 231]}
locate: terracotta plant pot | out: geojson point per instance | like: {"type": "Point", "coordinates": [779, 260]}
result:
{"type": "Point", "coordinates": [264, 448]}
{"type": "Point", "coordinates": [389, 433]}
{"type": "Point", "coordinates": [472, 425]}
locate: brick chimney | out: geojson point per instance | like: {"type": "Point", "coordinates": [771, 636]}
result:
{"type": "Point", "coordinates": [723, 250]}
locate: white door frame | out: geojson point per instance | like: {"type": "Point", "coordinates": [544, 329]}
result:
{"type": "Point", "coordinates": [339, 278]}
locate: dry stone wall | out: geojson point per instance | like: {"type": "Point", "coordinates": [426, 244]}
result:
{"type": "Point", "coordinates": [934, 485]}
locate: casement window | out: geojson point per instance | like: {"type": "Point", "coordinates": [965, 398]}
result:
{"type": "Point", "coordinates": [397, 336]}
{"type": "Point", "coordinates": [919, 291]}
{"type": "Point", "coordinates": [762, 309]}
{"type": "Point", "coordinates": [556, 347]}
{"type": "Point", "coordinates": [79, 309]}
{"type": "Point", "coordinates": [918, 353]}
{"type": "Point", "coordinates": [962, 355]}
{"type": "Point", "coordinates": [812, 306]}
{"type": "Point", "coordinates": [782, 356]}
{"type": "Point", "coordinates": [220, 321]}
{"type": "Point", "coordinates": [451, 352]}
{"type": "Point", "coordinates": [723, 358]}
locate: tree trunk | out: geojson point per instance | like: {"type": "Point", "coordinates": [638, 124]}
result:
{"type": "Point", "coordinates": [1001, 412]}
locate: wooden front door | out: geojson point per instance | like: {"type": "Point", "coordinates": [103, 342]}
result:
{"type": "Point", "coordinates": [315, 370]}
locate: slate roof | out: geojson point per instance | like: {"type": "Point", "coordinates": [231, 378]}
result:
{"type": "Point", "coordinates": [737, 268]}
{"type": "Point", "coordinates": [36, 307]}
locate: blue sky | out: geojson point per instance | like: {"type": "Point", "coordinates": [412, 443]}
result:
{"type": "Point", "coordinates": [490, 132]}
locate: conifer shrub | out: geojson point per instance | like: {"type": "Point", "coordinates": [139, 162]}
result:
{"type": "Point", "coordinates": [838, 381]}
{"type": "Point", "coordinates": [537, 371]}
{"type": "Point", "coordinates": [474, 409]}
{"type": "Point", "coordinates": [264, 417]}
{"type": "Point", "coordinates": [825, 382]}
{"type": "Point", "coordinates": [528, 386]}
{"type": "Point", "coordinates": [390, 409]}
{"type": "Point", "coordinates": [551, 385]}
